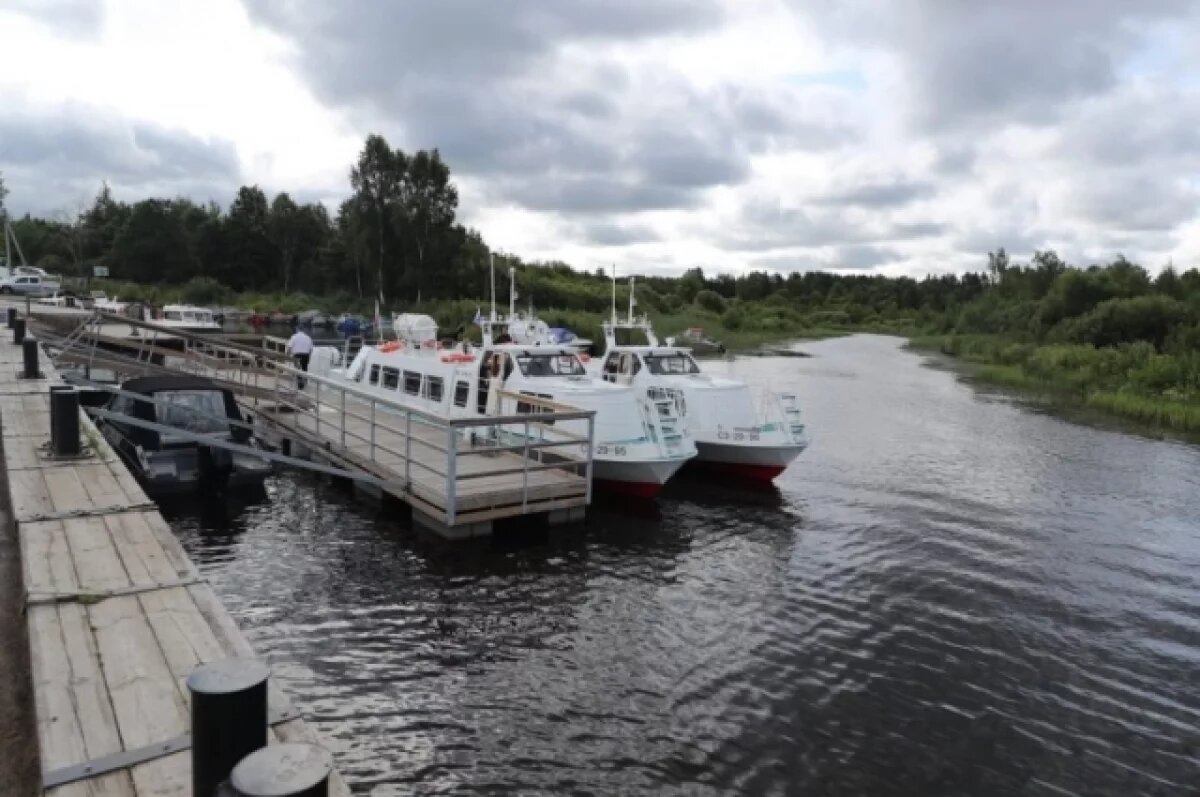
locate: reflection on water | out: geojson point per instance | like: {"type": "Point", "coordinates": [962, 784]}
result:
{"type": "Point", "coordinates": [946, 595]}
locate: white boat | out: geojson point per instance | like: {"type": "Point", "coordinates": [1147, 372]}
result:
{"type": "Point", "coordinates": [188, 318]}
{"type": "Point", "coordinates": [638, 442]}
{"type": "Point", "coordinates": [755, 438]}
{"type": "Point", "coordinates": [101, 302]}
{"type": "Point", "coordinates": [59, 299]}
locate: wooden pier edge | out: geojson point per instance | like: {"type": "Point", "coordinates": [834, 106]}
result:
{"type": "Point", "coordinates": [117, 615]}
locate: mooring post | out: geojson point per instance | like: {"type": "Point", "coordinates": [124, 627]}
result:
{"type": "Point", "coordinates": [29, 352]}
{"type": "Point", "coordinates": [12, 316]}
{"type": "Point", "coordinates": [18, 330]}
{"type": "Point", "coordinates": [229, 718]}
{"type": "Point", "coordinates": [64, 421]}
{"type": "Point", "coordinates": [283, 770]}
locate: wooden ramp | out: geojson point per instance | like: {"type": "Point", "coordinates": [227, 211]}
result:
{"type": "Point", "coordinates": [117, 614]}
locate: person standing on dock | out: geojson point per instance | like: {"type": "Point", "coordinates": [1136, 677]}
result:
{"type": "Point", "coordinates": [300, 346]}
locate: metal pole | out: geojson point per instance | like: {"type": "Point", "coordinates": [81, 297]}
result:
{"type": "Point", "coordinates": [372, 450]}
{"type": "Point", "coordinates": [283, 770]}
{"type": "Point", "coordinates": [525, 470]}
{"type": "Point", "coordinates": [591, 449]}
{"type": "Point", "coordinates": [12, 316]}
{"type": "Point", "coordinates": [343, 419]}
{"type": "Point", "coordinates": [451, 474]}
{"type": "Point", "coordinates": [229, 718]}
{"type": "Point", "coordinates": [407, 449]}
{"type": "Point", "coordinates": [64, 421]}
{"type": "Point", "coordinates": [18, 331]}
{"type": "Point", "coordinates": [317, 407]}
{"type": "Point", "coordinates": [29, 353]}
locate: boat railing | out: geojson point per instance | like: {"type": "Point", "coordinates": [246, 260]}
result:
{"type": "Point", "coordinates": [662, 414]}
{"type": "Point", "coordinates": [781, 410]}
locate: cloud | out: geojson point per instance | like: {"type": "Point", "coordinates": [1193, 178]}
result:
{"type": "Point", "coordinates": [538, 99]}
{"type": "Point", "coordinates": [880, 193]}
{"type": "Point", "coordinates": [56, 159]}
{"type": "Point", "coordinates": [76, 18]}
{"type": "Point", "coordinates": [607, 233]}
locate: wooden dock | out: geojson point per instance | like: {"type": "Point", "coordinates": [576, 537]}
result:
{"type": "Point", "coordinates": [117, 615]}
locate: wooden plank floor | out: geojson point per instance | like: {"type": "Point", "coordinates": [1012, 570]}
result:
{"type": "Point", "coordinates": [108, 670]}
{"type": "Point", "coordinates": [481, 484]}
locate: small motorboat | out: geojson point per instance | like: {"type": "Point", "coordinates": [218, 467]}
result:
{"type": "Point", "coordinates": [165, 463]}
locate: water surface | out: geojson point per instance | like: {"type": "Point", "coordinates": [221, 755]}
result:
{"type": "Point", "coordinates": [948, 594]}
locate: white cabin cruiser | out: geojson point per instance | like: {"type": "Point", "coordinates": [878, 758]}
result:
{"type": "Point", "coordinates": [638, 443]}
{"type": "Point", "coordinates": [188, 318]}
{"type": "Point", "coordinates": [755, 439]}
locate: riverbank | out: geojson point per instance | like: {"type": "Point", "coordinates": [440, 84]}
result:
{"type": "Point", "coordinates": [1133, 382]}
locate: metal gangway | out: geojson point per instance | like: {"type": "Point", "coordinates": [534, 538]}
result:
{"type": "Point", "coordinates": [458, 474]}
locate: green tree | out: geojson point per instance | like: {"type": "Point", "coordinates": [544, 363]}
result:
{"type": "Point", "coordinates": [153, 245]}
{"type": "Point", "coordinates": [376, 182]}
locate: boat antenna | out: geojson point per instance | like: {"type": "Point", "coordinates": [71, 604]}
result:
{"type": "Point", "coordinates": [614, 295]}
{"type": "Point", "coordinates": [7, 243]}
{"type": "Point", "coordinates": [492, 259]}
{"type": "Point", "coordinates": [632, 301]}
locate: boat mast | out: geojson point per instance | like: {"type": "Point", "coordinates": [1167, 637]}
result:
{"type": "Point", "coordinates": [632, 303]}
{"type": "Point", "coordinates": [512, 292]}
{"type": "Point", "coordinates": [614, 295]}
{"type": "Point", "coordinates": [492, 259]}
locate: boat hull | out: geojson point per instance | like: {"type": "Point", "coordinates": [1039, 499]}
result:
{"type": "Point", "coordinates": [642, 478]}
{"type": "Point", "coordinates": [757, 463]}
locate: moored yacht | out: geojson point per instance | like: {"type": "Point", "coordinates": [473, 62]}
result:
{"type": "Point", "coordinates": [732, 430]}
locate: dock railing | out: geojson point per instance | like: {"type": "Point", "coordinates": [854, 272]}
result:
{"type": "Point", "coordinates": [428, 452]}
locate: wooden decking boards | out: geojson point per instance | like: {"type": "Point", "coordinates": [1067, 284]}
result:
{"type": "Point", "coordinates": [117, 614]}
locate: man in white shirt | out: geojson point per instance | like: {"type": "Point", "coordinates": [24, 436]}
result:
{"type": "Point", "coordinates": [300, 346]}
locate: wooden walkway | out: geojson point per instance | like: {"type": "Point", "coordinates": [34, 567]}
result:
{"type": "Point", "coordinates": [117, 615]}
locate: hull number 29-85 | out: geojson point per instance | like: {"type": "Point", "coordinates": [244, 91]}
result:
{"type": "Point", "coordinates": [616, 450]}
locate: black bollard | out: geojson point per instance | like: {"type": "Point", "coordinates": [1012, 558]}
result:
{"type": "Point", "coordinates": [29, 352]}
{"type": "Point", "coordinates": [229, 718]}
{"type": "Point", "coordinates": [283, 770]}
{"type": "Point", "coordinates": [64, 421]}
{"type": "Point", "coordinates": [12, 316]}
{"type": "Point", "coordinates": [18, 331]}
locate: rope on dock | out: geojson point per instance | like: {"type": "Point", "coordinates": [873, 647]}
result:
{"type": "Point", "coordinates": [100, 511]}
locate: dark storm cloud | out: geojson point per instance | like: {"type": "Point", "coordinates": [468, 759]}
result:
{"type": "Point", "coordinates": [52, 162]}
{"type": "Point", "coordinates": [1020, 60]}
{"type": "Point", "coordinates": [525, 95]}
{"type": "Point", "coordinates": [79, 18]}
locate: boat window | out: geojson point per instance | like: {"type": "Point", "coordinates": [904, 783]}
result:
{"type": "Point", "coordinates": [391, 378]}
{"type": "Point", "coordinates": [433, 388]}
{"type": "Point", "coordinates": [374, 374]}
{"type": "Point", "coordinates": [461, 391]}
{"type": "Point", "coordinates": [550, 365]}
{"type": "Point", "coordinates": [667, 364]}
{"type": "Point", "coordinates": [529, 408]}
{"type": "Point", "coordinates": [197, 411]}
{"type": "Point", "coordinates": [412, 383]}
{"type": "Point", "coordinates": [173, 315]}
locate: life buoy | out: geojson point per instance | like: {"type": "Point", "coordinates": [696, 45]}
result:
{"type": "Point", "coordinates": [429, 344]}
{"type": "Point", "coordinates": [391, 345]}
{"type": "Point", "coordinates": [585, 358]}
{"type": "Point", "coordinates": [457, 358]}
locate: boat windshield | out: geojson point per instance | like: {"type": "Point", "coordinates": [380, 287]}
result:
{"type": "Point", "coordinates": [550, 365]}
{"type": "Point", "coordinates": [196, 411]}
{"type": "Point", "coordinates": [668, 364]}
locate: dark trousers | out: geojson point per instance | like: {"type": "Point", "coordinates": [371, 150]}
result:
{"type": "Point", "coordinates": [302, 364]}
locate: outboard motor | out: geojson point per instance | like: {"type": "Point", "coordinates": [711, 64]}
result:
{"type": "Point", "coordinates": [215, 466]}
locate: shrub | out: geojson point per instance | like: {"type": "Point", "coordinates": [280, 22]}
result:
{"type": "Point", "coordinates": [711, 301]}
{"type": "Point", "coordinates": [204, 291]}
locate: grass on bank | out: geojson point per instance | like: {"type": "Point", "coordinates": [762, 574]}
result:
{"type": "Point", "coordinates": [1132, 381]}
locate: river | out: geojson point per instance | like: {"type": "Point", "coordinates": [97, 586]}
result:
{"type": "Point", "coordinates": [949, 593]}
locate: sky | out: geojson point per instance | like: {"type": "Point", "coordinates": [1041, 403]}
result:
{"type": "Point", "coordinates": [870, 136]}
